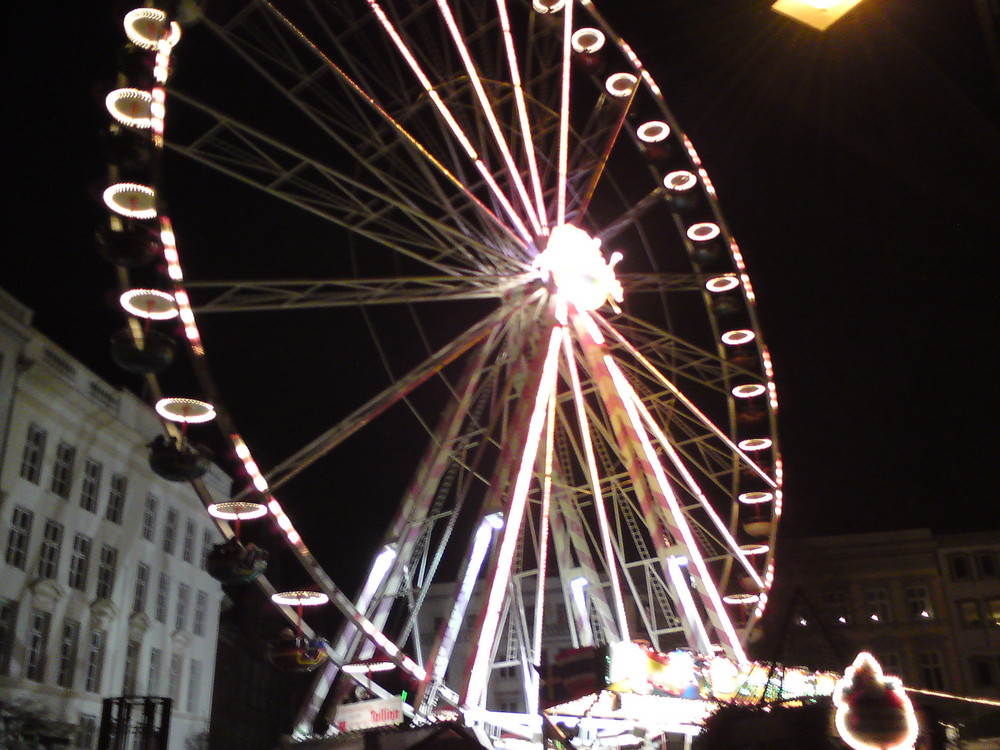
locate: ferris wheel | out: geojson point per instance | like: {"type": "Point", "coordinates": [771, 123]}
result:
{"type": "Point", "coordinates": [557, 308]}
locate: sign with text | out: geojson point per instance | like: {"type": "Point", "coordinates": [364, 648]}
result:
{"type": "Point", "coordinates": [381, 712]}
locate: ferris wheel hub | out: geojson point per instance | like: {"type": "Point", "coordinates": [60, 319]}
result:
{"type": "Point", "coordinates": [573, 265]}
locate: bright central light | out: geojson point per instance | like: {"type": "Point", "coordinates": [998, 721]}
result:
{"type": "Point", "coordinates": [573, 263]}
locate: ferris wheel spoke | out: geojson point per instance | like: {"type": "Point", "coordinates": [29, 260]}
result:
{"type": "Point", "coordinates": [330, 116]}
{"type": "Point", "coordinates": [449, 118]}
{"type": "Point", "coordinates": [659, 377]}
{"type": "Point", "coordinates": [486, 107]}
{"type": "Point", "coordinates": [248, 156]}
{"type": "Point", "coordinates": [269, 296]}
{"type": "Point", "coordinates": [563, 158]}
{"type": "Point", "coordinates": [522, 110]}
{"type": "Point", "coordinates": [361, 416]}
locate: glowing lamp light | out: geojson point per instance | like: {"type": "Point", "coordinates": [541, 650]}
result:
{"type": "Point", "coordinates": [755, 444]}
{"type": "Point", "coordinates": [621, 85]}
{"type": "Point", "coordinates": [151, 304]}
{"type": "Point", "coordinates": [722, 283]}
{"type": "Point", "coordinates": [548, 6]}
{"type": "Point", "coordinates": [755, 498]}
{"type": "Point", "coordinates": [749, 390]}
{"type": "Point", "coordinates": [573, 262]}
{"type": "Point", "coordinates": [237, 510]}
{"type": "Point", "coordinates": [653, 131]}
{"type": "Point", "coordinates": [587, 40]}
{"type": "Point", "coordinates": [367, 667]}
{"type": "Point", "coordinates": [300, 598]}
{"type": "Point", "coordinates": [132, 107]}
{"type": "Point", "coordinates": [819, 14]}
{"type": "Point", "coordinates": [132, 200]}
{"type": "Point", "coordinates": [738, 337]}
{"type": "Point", "coordinates": [873, 710]}
{"type": "Point", "coordinates": [494, 520]}
{"type": "Point", "coordinates": [144, 28]}
{"type": "Point", "coordinates": [741, 599]}
{"type": "Point", "coordinates": [185, 410]}
{"type": "Point", "coordinates": [703, 231]}
{"type": "Point", "coordinates": [754, 549]}
{"type": "Point", "coordinates": [679, 181]}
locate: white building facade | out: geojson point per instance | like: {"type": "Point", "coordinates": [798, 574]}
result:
{"type": "Point", "coordinates": [103, 591]}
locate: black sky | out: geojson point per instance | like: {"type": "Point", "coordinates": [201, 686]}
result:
{"type": "Point", "coordinates": [859, 169]}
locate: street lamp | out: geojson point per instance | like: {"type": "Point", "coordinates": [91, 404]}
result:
{"type": "Point", "coordinates": [816, 13]}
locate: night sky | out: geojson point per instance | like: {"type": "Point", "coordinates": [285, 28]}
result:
{"type": "Point", "coordinates": [859, 169]}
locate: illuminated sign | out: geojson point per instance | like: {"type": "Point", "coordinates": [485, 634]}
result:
{"type": "Point", "coordinates": [381, 712]}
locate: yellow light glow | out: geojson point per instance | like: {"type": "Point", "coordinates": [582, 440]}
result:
{"type": "Point", "coordinates": [653, 131]}
{"type": "Point", "coordinates": [819, 14]}
{"type": "Point", "coordinates": [144, 28]}
{"type": "Point", "coordinates": [130, 107]}
{"type": "Point", "coordinates": [587, 40]}
{"type": "Point", "coordinates": [130, 199]}
{"type": "Point", "coordinates": [187, 410]}
{"type": "Point", "coordinates": [573, 263]}
{"type": "Point", "coordinates": [749, 390]}
{"type": "Point", "coordinates": [620, 85]}
{"type": "Point", "coordinates": [755, 444]}
{"type": "Point", "coordinates": [738, 337]}
{"type": "Point", "coordinates": [300, 598]}
{"type": "Point", "coordinates": [722, 283]}
{"type": "Point", "coordinates": [755, 498]}
{"type": "Point", "coordinates": [703, 232]}
{"type": "Point", "coordinates": [680, 181]}
{"type": "Point", "coordinates": [237, 510]}
{"type": "Point", "coordinates": [149, 303]}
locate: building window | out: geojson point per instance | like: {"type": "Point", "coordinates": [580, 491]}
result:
{"type": "Point", "coordinates": [877, 605]}
{"type": "Point", "coordinates": [67, 653]}
{"type": "Point", "coordinates": [993, 610]}
{"type": "Point", "coordinates": [174, 676]}
{"type": "Point", "coordinates": [106, 571]}
{"type": "Point", "coordinates": [180, 619]}
{"type": "Point", "coordinates": [162, 592]}
{"type": "Point", "coordinates": [968, 613]}
{"type": "Point", "coordinates": [206, 547]}
{"type": "Point", "coordinates": [131, 667]}
{"type": "Point", "coordinates": [918, 603]}
{"type": "Point", "coordinates": [78, 563]}
{"type": "Point", "coordinates": [18, 536]}
{"type": "Point", "coordinates": [200, 612]}
{"type": "Point", "coordinates": [194, 686]}
{"type": "Point", "coordinates": [48, 555]}
{"type": "Point", "coordinates": [62, 471]}
{"type": "Point", "coordinates": [986, 564]}
{"type": "Point", "coordinates": [931, 669]}
{"type": "Point", "coordinates": [91, 486]}
{"type": "Point", "coordinates": [141, 588]}
{"type": "Point", "coordinates": [36, 645]}
{"type": "Point", "coordinates": [981, 669]}
{"type": "Point", "coordinates": [187, 551]}
{"type": "Point", "coordinates": [149, 518]}
{"type": "Point", "coordinates": [8, 625]}
{"type": "Point", "coordinates": [959, 568]}
{"type": "Point", "coordinates": [891, 664]}
{"type": "Point", "coordinates": [34, 450]}
{"type": "Point", "coordinates": [95, 661]}
{"type": "Point", "coordinates": [170, 531]}
{"type": "Point", "coordinates": [86, 732]}
{"type": "Point", "coordinates": [116, 498]}
{"type": "Point", "coordinates": [155, 665]}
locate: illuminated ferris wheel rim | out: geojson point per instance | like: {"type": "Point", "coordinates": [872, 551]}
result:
{"type": "Point", "coordinates": [700, 232]}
